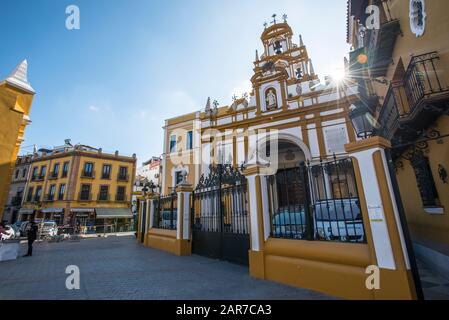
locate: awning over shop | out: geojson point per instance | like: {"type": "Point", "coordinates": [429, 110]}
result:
{"type": "Point", "coordinates": [52, 210]}
{"type": "Point", "coordinates": [114, 213]}
{"type": "Point", "coordinates": [25, 211]}
{"type": "Point", "coordinates": [82, 210]}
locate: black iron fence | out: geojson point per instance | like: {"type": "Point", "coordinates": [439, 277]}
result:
{"type": "Point", "coordinates": [165, 215]}
{"type": "Point", "coordinates": [220, 202]}
{"type": "Point", "coordinates": [316, 202]}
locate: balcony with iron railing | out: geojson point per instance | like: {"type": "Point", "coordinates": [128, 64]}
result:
{"type": "Point", "coordinates": [416, 101]}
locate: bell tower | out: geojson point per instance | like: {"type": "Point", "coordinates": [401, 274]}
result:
{"type": "Point", "coordinates": [284, 71]}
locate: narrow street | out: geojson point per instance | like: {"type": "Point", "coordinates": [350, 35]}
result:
{"type": "Point", "coordinates": [119, 268]}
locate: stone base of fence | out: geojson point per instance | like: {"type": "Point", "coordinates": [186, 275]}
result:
{"type": "Point", "coordinates": [165, 240]}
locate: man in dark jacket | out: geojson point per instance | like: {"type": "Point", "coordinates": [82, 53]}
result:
{"type": "Point", "coordinates": [32, 236]}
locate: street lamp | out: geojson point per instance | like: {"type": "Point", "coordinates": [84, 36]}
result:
{"type": "Point", "coordinates": [363, 121]}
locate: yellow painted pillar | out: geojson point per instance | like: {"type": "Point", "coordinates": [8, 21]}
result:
{"type": "Point", "coordinates": [183, 232]}
{"type": "Point", "coordinates": [382, 220]}
{"type": "Point", "coordinates": [259, 217]}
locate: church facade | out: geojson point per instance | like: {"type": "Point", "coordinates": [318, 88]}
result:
{"type": "Point", "coordinates": [281, 180]}
{"type": "Point", "coordinates": [287, 102]}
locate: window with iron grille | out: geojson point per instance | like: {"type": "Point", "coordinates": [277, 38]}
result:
{"type": "Point", "coordinates": [104, 193]}
{"type": "Point", "coordinates": [43, 172]}
{"type": "Point", "coordinates": [55, 170]}
{"type": "Point", "coordinates": [123, 173]}
{"type": "Point", "coordinates": [65, 169]}
{"type": "Point", "coordinates": [121, 191]}
{"type": "Point", "coordinates": [106, 173]}
{"type": "Point", "coordinates": [85, 192]}
{"type": "Point", "coordinates": [38, 195]}
{"type": "Point", "coordinates": [35, 173]}
{"type": "Point", "coordinates": [51, 192]}
{"type": "Point", "coordinates": [88, 169]}
{"type": "Point", "coordinates": [425, 180]}
{"type": "Point", "coordinates": [61, 192]}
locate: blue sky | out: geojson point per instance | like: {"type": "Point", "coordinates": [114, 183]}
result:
{"type": "Point", "coordinates": [135, 63]}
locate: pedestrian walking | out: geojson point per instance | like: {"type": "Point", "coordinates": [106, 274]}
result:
{"type": "Point", "coordinates": [32, 236]}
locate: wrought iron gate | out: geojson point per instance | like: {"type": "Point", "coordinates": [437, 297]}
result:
{"type": "Point", "coordinates": [316, 202]}
{"type": "Point", "coordinates": [220, 226]}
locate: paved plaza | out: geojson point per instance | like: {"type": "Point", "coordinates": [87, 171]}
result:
{"type": "Point", "coordinates": [119, 268]}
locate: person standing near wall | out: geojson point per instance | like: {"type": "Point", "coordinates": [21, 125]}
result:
{"type": "Point", "coordinates": [32, 236]}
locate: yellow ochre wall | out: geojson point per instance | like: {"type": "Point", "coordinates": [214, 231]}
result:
{"type": "Point", "coordinates": [14, 106]}
{"type": "Point", "coordinates": [425, 228]}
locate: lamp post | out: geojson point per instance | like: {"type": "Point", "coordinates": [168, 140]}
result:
{"type": "Point", "coordinates": [363, 122]}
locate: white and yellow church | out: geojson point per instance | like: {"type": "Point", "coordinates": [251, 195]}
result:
{"type": "Point", "coordinates": [287, 97]}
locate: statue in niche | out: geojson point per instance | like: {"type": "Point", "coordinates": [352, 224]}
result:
{"type": "Point", "coordinates": [271, 99]}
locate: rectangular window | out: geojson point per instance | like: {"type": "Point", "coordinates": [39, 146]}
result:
{"type": "Point", "coordinates": [189, 145]}
{"type": "Point", "coordinates": [51, 192]}
{"type": "Point", "coordinates": [43, 172]}
{"type": "Point", "coordinates": [24, 173]}
{"type": "Point", "coordinates": [85, 192]}
{"type": "Point", "coordinates": [123, 174]}
{"type": "Point", "coordinates": [35, 173]}
{"type": "Point", "coordinates": [88, 170]}
{"type": "Point", "coordinates": [38, 195]}
{"type": "Point", "coordinates": [55, 172]}
{"type": "Point", "coordinates": [17, 174]}
{"type": "Point", "coordinates": [104, 193]}
{"type": "Point", "coordinates": [30, 194]}
{"type": "Point", "coordinates": [61, 192]}
{"type": "Point", "coordinates": [121, 191]}
{"type": "Point", "coordinates": [106, 173]}
{"type": "Point", "coordinates": [65, 169]}
{"type": "Point", "coordinates": [172, 144]}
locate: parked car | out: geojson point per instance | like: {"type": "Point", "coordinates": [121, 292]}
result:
{"type": "Point", "coordinates": [290, 223]}
{"type": "Point", "coordinates": [168, 218]}
{"type": "Point", "coordinates": [333, 220]}
{"type": "Point", "coordinates": [339, 219]}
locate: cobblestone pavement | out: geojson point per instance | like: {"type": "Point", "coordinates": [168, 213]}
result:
{"type": "Point", "coordinates": [119, 268]}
